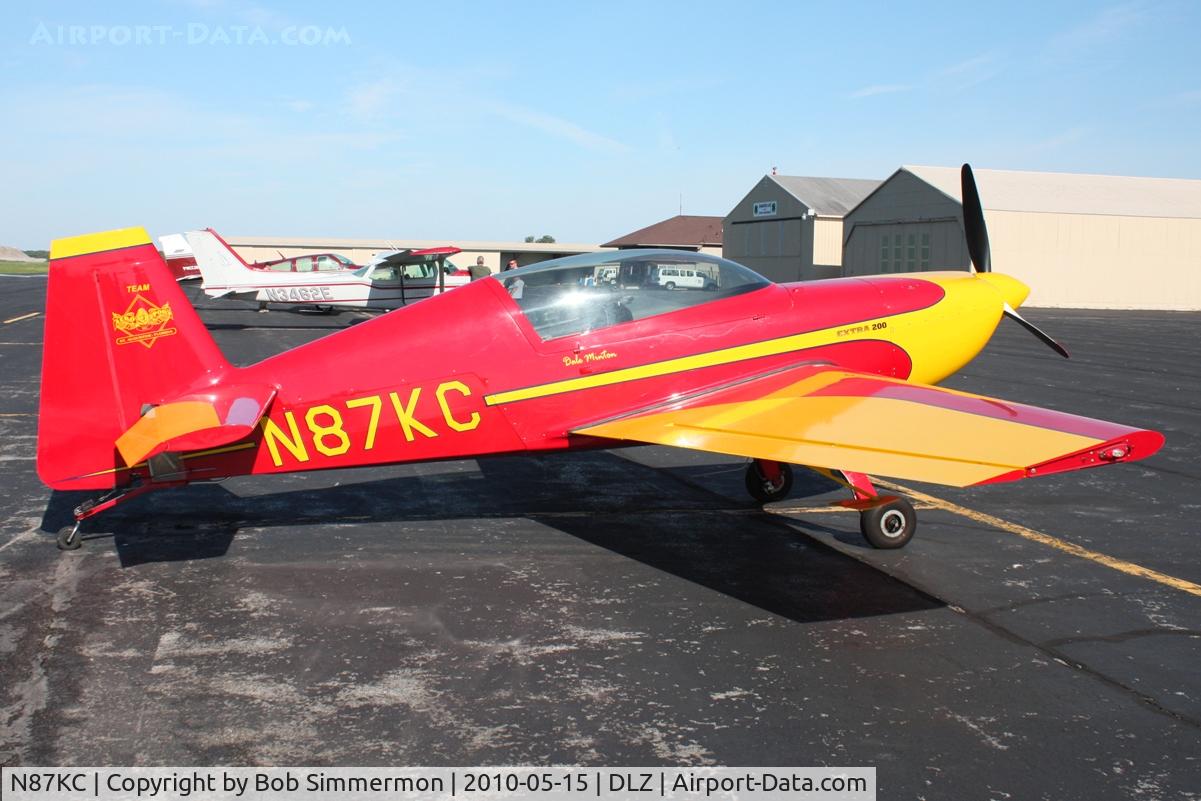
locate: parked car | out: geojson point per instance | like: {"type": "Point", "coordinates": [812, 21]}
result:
{"type": "Point", "coordinates": [683, 277]}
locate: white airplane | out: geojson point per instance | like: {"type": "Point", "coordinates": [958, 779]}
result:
{"type": "Point", "coordinates": [390, 280]}
{"type": "Point", "coordinates": [178, 255]}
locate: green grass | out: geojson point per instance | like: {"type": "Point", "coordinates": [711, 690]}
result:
{"type": "Point", "coordinates": [23, 267]}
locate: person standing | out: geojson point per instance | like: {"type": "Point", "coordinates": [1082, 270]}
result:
{"type": "Point", "coordinates": [479, 269]}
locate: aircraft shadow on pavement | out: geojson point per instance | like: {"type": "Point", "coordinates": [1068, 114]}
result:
{"type": "Point", "coordinates": [141, 533]}
{"type": "Point", "coordinates": [809, 488]}
{"type": "Point", "coordinates": [635, 511]}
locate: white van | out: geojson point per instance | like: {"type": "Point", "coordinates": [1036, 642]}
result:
{"type": "Point", "coordinates": [672, 277]}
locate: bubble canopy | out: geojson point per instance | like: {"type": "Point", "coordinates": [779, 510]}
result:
{"type": "Point", "coordinates": [577, 294]}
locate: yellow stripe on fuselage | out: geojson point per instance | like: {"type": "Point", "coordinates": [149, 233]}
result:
{"type": "Point", "coordinates": [771, 347]}
{"type": "Point", "coordinates": [98, 243]}
{"type": "Point", "coordinates": [936, 350]}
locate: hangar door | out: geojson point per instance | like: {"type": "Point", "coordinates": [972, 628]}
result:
{"type": "Point", "coordinates": [905, 247]}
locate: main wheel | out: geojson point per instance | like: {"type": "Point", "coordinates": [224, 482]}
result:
{"type": "Point", "coordinates": [68, 538]}
{"type": "Point", "coordinates": [889, 526]}
{"type": "Point", "coordinates": [670, 285]}
{"type": "Point", "coordinates": [763, 489]}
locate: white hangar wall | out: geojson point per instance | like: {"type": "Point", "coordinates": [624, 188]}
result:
{"type": "Point", "coordinates": [1078, 241]}
{"type": "Point", "coordinates": [1097, 262]}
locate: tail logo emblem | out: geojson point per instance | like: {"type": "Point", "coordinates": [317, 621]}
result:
{"type": "Point", "coordinates": [143, 322]}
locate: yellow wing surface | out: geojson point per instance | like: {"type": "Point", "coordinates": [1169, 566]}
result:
{"type": "Point", "coordinates": [844, 420]}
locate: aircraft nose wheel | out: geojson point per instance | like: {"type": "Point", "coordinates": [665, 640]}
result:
{"type": "Point", "coordinates": [68, 538]}
{"type": "Point", "coordinates": [889, 526]}
{"type": "Point", "coordinates": [765, 487]}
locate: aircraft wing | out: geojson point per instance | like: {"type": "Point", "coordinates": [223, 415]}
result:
{"type": "Point", "coordinates": [201, 421]}
{"type": "Point", "coordinates": [844, 420]}
{"type": "Point", "coordinates": [412, 255]}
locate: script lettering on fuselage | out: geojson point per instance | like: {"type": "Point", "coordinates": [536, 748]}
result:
{"type": "Point", "coordinates": [588, 358]}
{"type": "Point", "coordinates": [406, 415]}
{"type": "Point", "coordinates": [298, 294]}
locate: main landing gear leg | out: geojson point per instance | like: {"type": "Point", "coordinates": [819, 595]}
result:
{"type": "Point", "coordinates": [768, 481]}
{"type": "Point", "coordinates": [886, 521]}
{"type": "Point", "coordinates": [69, 537]}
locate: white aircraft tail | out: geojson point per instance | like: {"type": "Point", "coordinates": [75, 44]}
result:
{"type": "Point", "coordinates": [222, 270]}
{"type": "Point", "coordinates": [174, 246]}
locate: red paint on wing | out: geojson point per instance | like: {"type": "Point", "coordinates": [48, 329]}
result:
{"type": "Point", "coordinates": [1137, 444]}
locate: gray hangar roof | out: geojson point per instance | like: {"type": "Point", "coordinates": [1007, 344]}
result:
{"type": "Point", "coordinates": [829, 197]}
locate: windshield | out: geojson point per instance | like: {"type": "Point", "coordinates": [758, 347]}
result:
{"type": "Point", "coordinates": [583, 293]}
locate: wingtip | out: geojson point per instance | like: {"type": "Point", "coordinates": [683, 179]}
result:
{"type": "Point", "coordinates": [1136, 445]}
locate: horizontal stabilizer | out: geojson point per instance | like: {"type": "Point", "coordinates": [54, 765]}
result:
{"type": "Point", "coordinates": [220, 416]}
{"type": "Point", "coordinates": [843, 420]}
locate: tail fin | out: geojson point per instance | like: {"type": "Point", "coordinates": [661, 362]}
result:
{"type": "Point", "coordinates": [223, 270]}
{"type": "Point", "coordinates": [178, 254]}
{"type": "Point", "coordinates": [120, 336]}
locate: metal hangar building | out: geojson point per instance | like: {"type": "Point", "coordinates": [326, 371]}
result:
{"type": "Point", "coordinates": [1078, 241]}
{"type": "Point", "coordinates": [789, 228]}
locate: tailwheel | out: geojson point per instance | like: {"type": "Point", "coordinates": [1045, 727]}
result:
{"type": "Point", "coordinates": [890, 525]}
{"type": "Point", "coordinates": [68, 538]}
{"type": "Point", "coordinates": [768, 481]}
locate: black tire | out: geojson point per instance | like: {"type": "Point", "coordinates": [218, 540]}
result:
{"type": "Point", "coordinates": [68, 538]}
{"type": "Point", "coordinates": [759, 488]}
{"type": "Point", "coordinates": [670, 285]}
{"type": "Point", "coordinates": [889, 526]}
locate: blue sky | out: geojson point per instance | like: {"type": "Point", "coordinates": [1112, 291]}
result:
{"type": "Point", "coordinates": [490, 120]}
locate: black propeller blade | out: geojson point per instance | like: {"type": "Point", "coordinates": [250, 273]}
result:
{"type": "Point", "coordinates": [973, 222]}
{"type": "Point", "coordinates": [1012, 314]}
{"type": "Point", "coordinates": [977, 248]}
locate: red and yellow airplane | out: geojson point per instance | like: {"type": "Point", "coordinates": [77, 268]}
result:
{"type": "Point", "coordinates": [590, 351]}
